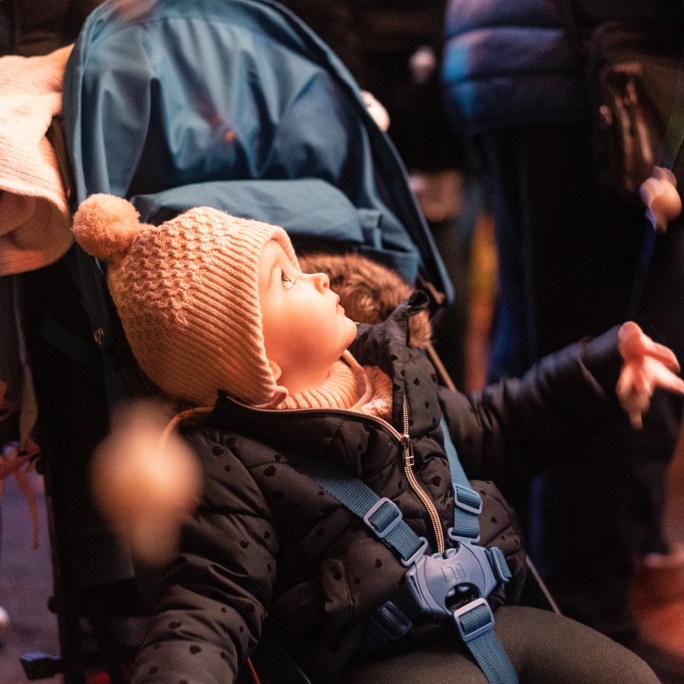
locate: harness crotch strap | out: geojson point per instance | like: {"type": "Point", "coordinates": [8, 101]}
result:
{"type": "Point", "coordinates": [454, 584]}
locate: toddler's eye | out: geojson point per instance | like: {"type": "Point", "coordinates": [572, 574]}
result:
{"type": "Point", "coordinates": [287, 281]}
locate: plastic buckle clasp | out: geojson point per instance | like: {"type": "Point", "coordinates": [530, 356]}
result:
{"type": "Point", "coordinates": [391, 621]}
{"type": "Point", "coordinates": [499, 565]}
{"type": "Point", "coordinates": [436, 579]}
{"type": "Point", "coordinates": [477, 625]}
{"type": "Point", "coordinates": [381, 507]}
{"type": "Point", "coordinates": [417, 555]}
{"type": "Point", "coordinates": [467, 499]}
{"type": "Point", "coordinates": [467, 508]}
{"type": "Point", "coordinates": [462, 537]}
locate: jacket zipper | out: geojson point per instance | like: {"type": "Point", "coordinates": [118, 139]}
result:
{"type": "Point", "coordinates": [418, 488]}
{"type": "Point", "coordinates": [407, 457]}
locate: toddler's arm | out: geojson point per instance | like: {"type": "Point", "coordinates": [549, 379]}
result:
{"type": "Point", "coordinates": [647, 365]}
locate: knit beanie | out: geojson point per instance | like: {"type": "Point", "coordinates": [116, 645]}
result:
{"type": "Point", "coordinates": [187, 295]}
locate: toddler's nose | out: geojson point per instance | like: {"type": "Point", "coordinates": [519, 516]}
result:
{"type": "Point", "coordinates": [322, 281]}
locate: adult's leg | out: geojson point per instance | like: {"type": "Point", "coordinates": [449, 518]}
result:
{"type": "Point", "coordinates": [510, 353]}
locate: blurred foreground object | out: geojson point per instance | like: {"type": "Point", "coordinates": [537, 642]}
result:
{"type": "Point", "coordinates": [145, 481]}
{"type": "Point", "coordinates": [4, 624]}
{"type": "Point", "coordinates": [376, 110]}
{"type": "Point", "coordinates": [659, 194]}
{"type": "Point", "coordinates": [657, 599]}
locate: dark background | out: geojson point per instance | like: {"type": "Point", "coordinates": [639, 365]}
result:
{"type": "Point", "coordinates": [25, 583]}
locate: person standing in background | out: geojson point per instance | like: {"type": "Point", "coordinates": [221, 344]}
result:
{"type": "Point", "coordinates": [567, 255]}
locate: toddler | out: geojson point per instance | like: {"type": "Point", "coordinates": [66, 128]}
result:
{"type": "Point", "coordinates": [219, 315]}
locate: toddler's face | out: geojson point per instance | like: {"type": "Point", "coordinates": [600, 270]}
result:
{"type": "Point", "coordinates": [305, 328]}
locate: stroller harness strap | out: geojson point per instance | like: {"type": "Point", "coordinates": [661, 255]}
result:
{"type": "Point", "coordinates": [454, 584]}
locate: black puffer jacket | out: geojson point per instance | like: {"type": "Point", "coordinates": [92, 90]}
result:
{"type": "Point", "coordinates": [512, 63]}
{"type": "Point", "coordinates": [267, 540]}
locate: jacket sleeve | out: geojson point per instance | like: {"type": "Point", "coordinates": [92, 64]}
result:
{"type": "Point", "coordinates": [213, 598]}
{"type": "Point", "coordinates": [511, 429]}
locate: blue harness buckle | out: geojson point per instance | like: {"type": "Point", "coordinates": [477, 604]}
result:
{"type": "Point", "coordinates": [439, 579]}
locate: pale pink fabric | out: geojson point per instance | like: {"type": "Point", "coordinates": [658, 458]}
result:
{"type": "Point", "coordinates": [34, 214]}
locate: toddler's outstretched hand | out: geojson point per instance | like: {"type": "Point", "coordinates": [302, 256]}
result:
{"type": "Point", "coordinates": [647, 365]}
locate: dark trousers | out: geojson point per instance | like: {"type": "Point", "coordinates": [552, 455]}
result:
{"type": "Point", "coordinates": [568, 253]}
{"type": "Point", "coordinates": [543, 647]}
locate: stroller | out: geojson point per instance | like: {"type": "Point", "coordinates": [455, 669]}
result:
{"type": "Point", "coordinates": [172, 104]}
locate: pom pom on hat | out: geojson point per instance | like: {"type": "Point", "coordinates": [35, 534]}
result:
{"type": "Point", "coordinates": [105, 226]}
{"type": "Point", "coordinates": [187, 293]}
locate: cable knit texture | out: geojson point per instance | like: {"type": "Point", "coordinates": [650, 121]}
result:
{"type": "Point", "coordinates": [187, 290]}
{"type": "Point", "coordinates": [34, 214]}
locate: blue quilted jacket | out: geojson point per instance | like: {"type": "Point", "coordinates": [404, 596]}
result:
{"type": "Point", "coordinates": [510, 63]}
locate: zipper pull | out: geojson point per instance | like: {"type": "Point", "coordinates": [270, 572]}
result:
{"type": "Point", "coordinates": [407, 446]}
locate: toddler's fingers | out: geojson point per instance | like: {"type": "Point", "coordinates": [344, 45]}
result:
{"type": "Point", "coordinates": [633, 343]}
{"type": "Point", "coordinates": [663, 354]}
{"type": "Point", "coordinates": [629, 340]}
{"type": "Point", "coordinates": [635, 405]}
{"type": "Point", "coordinates": [668, 380]}
{"type": "Point", "coordinates": [632, 379]}
{"type": "Point", "coordinates": [636, 420]}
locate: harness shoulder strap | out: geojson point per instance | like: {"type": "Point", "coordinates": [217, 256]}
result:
{"type": "Point", "coordinates": [425, 575]}
{"type": "Point", "coordinates": [467, 502]}
{"type": "Point", "coordinates": [380, 514]}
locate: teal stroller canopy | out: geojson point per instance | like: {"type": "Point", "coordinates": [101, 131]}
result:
{"type": "Point", "coordinates": [236, 104]}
